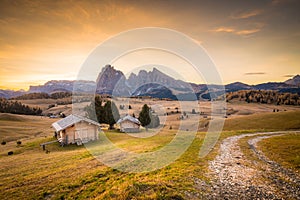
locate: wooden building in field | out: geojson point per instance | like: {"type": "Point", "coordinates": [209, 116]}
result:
{"type": "Point", "coordinates": [76, 129]}
{"type": "Point", "coordinates": [129, 124]}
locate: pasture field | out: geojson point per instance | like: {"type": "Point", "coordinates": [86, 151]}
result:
{"type": "Point", "coordinates": [284, 149]}
{"type": "Point", "coordinates": [72, 172]}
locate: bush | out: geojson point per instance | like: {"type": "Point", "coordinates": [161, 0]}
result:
{"type": "Point", "coordinates": [10, 153]}
{"type": "Point", "coordinates": [19, 142]}
{"type": "Point", "coordinates": [51, 106]}
{"type": "Point", "coordinates": [3, 143]}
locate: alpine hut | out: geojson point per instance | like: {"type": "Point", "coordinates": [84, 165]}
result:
{"type": "Point", "coordinates": [129, 124]}
{"type": "Point", "coordinates": [76, 129]}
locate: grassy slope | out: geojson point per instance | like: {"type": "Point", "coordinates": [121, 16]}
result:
{"type": "Point", "coordinates": [15, 127]}
{"type": "Point", "coordinates": [71, 171]}
{"type": "Point", "coordinates": [283, 149]}
{"type": "Point", "coordinates": [266, 121]}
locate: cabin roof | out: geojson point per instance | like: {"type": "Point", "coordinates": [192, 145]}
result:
{"type": "Point", "coordinates": [71, 120]}
{"type": "Point", "coordinates": [129, 118]}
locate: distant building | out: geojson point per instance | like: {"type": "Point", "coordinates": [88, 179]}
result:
{"type": "Point", "coordinates": [129, 124]}
{"type": "Point", "coordinates": [76, 129]}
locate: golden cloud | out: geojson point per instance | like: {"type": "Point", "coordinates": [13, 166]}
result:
{"type": "Point", "coordinates": [236, 31]}
{"type": "Point", "coordinates": [247, 14]}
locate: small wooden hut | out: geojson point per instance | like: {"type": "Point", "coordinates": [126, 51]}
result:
{"type": "Point", "coordinates": [76, 129]}
{"type": "Point", "coordinates": [129, 124]}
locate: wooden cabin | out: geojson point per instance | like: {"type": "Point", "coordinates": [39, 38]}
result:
{"type": "Point", "coordinates": [129, 124]}
{"type": "Point", "coordinates": [76, 129]}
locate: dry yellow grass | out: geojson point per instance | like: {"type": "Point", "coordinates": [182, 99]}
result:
{"type": "Point", "coordinates": [285, 120]}
{"type": "Point", "coordinates": [283, 149]}
{"type": "Point", "coordinates": [16, 127]}
{"type": "Point", "coordinates": [71, 172]}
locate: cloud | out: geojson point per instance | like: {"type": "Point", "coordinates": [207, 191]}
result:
{"type": "Point", "coordinates": [254, 73]}
{"type": "Point", "coordinates": [224, 29]}
{"type": "Point", "coordinates": [289, 76]}
{"type": "Point", "coordinates": [247, 14]}
{"type": "Point", "coordinates": [247, 31]}
{"type": "Point", "coordinates": [279, 2]}
{"type": "Point", "coordinates": [243, 32]}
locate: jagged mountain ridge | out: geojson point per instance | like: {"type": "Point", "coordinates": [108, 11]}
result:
{"type": "Point", "coordinates": [112, 81]}
{"type": "Point", "coordinates": [108, 79]}
{"type": "Point", "coordinates": [152, 83]}
{"type": "Point", "coordinates": [294, 81]}
{"type": "Point", "coordinates": [156, 76]}
{"type": "Point", "coordinates": [63, 86]}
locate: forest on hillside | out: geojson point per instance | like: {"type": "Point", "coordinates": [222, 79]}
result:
{"type": "Point", "coordinates": [264, 96]}
{"type": "Point", "coordinates": [16, 107]}
{"type": "Point", "coordinates": [42, 95]}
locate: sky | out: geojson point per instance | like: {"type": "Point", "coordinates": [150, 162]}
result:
{"type": "Point", "coordinates": [250, 41]}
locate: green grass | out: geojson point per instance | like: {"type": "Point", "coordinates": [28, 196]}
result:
{"type": "Point", "coordinates": [283, 149]}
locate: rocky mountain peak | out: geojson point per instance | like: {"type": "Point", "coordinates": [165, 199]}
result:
{"type": "Point", "coordinates": [294, 81]}
{"type": "Point", "coordinates": [108, 78]}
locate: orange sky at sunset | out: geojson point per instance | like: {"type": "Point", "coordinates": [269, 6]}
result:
{"type": "Point", "coordinates": [249, 41]}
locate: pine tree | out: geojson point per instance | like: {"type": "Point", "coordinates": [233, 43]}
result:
{"type": "Point", "coordinates": [111, 114]}
{"type": "Point", "coordinates": [95, 110]}
{"type": "Point", "coordinates": [107, 113]}
{"type": "Point", "coordinates": [144, 116]}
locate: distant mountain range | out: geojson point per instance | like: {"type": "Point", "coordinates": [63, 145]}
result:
{"type": "Point", "coordinates": [153, 83]}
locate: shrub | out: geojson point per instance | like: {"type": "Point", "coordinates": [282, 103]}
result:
{"type": "Point", "coordinates": [19, 142]}
{"type": "Point", "coordinates": [10, 153]}
{"type": "Point", "coordinates": [51, 106]}
{"type": "Point", "coordinates": [3, 143]}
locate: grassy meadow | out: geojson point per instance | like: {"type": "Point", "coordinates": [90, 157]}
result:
{"type": "Point", "coordinates": [284, 149]}
{"type": "Point", "coordinates": [72, 172]}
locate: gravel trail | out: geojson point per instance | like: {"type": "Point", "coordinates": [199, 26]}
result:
{"type": "Point", "coordinates": [234, 176]}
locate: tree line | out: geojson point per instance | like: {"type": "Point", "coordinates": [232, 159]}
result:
{"type": "Point", "coordinates": [16, 107]}
{"type": "Point", "coordinates": [106, 111]}
{"type": "Point", "coordinates": [264, 96]}
{"type": "Point", "coordinates": [43, 95]}
{"type": "Point", "coordinates": [103, 111]}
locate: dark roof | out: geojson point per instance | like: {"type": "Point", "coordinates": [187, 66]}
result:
{"type": "Point", "coordinates": [71, 120]}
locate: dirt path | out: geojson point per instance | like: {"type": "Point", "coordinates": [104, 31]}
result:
{"type": "Point", "coordinates": [234, 176]}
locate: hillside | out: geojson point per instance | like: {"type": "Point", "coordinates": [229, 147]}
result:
{"type": "Point", "coordinates": [72, 172]}
{"type": "Point", "coordinates": [264, 96]}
